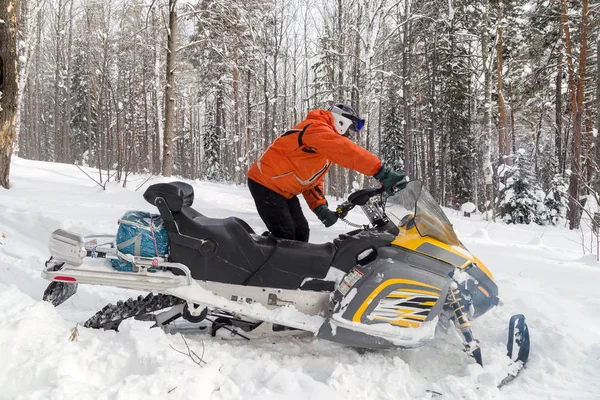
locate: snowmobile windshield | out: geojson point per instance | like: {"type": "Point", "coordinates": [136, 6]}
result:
{"type": "Point", "coordinates": [414, 202]}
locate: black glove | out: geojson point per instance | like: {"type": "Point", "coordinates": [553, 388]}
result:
{"type": "Point", "coordinates": [389, 179]}
{"type": "Point", "coordinates": [326, 216]}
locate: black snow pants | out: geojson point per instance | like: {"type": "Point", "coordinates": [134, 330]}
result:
{"type": "Point", "coordinates": [283, 217]}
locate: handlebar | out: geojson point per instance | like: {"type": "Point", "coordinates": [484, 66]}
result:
{"type": "Point", "coordinates": [361, 197]}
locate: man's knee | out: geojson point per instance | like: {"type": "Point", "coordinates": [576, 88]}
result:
{"type": "Point", "coordinates": [302, 232]}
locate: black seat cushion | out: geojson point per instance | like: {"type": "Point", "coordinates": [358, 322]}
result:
{"type": "Point", "coordinates": [241, 257]}
{"type": "Point", "coordinates": [176, 194]}
{"type": "Point", "coordinates": [292, 262]}
{"type": "Point", "coordinates": [232, 254]}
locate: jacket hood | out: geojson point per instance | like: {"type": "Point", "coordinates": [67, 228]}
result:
{"type": "Point", "coordinates": [322, 116]}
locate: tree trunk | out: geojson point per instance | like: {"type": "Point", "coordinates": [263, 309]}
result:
{"type": "Point", "coordinates": [30, 40]}
{"type": "Point", "coordinates": [249, 149]}
{"type": "Point", "coordinates": [267, 133]}
{"type": "Point", "coordinates": [158, 126]}
{"type": "Point", "coordinates": [487, 118]}
{"type": "Point", "coordinates": [406, 89]}
{"type": "Point", "coordinates": [502, 131]}
{"type": "Point", "coordinates": [306, 96]}
{"type": "Point", "coordinates": [570, 69]}
{"type": "Point", "coordinates": [432, 106]}
{"type": "Point", "coordinates": [37, 131]}
{"type": "Point", "coordinates": [236, 117]}
{"type": "Point", "coordinates": [340, 50]}
{"type": "Point", "coordinates": [558, 147]}
{"type": "Point", "coordinates": [574, 205]}
{"type": "Point", "coordinates": [58, 134]}
{"type": "Point", "coordinates": [170, 89]}
{"type": "Point", "coordinates": [597, 122]}
{"type": "Point", "coordinates": [67, 90]}
{"type": "Point", "coordinates": [9, 78]}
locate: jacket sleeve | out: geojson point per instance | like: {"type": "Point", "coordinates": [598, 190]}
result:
{"type": "Point", "coordinates": [315, 196]}
{"type": "Point", "coordinates": [341, 150]}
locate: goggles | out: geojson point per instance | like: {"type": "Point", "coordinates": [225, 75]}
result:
{"type": "Point", "coordinates": [356, 123]}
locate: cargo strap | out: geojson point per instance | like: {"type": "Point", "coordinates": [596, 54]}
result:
{"type": "Point", "coordinates": [153, 237]}
{"type": "Point", "coordinates": [136, 241]}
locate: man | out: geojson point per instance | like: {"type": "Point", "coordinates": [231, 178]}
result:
{"type": "Point", "coordinates": [297, 161]}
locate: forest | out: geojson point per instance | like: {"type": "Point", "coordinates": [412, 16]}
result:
{"type": "Point", "coordinates": [490, 102]}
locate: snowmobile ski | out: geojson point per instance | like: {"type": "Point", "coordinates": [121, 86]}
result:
{"type": "Point", "coordinates": [517, 346]}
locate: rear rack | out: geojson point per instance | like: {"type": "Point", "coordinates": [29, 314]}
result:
{"type": "Point", "coordinates": [69, 251]}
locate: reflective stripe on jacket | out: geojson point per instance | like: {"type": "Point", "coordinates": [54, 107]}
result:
{"type": "Point", "coordinates": [297, 161]}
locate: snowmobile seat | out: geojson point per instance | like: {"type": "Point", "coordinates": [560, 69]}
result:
{"type": "Point", "coordinates": [228, 250]}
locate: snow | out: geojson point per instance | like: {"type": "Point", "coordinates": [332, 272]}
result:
{"type": "Point", "coordinates": [468, 207]}
{"type": "Point", "coordinates": [552, 283]}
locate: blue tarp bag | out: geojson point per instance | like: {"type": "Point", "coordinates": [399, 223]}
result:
{"type": "Point", "coordinates": [140, 234]}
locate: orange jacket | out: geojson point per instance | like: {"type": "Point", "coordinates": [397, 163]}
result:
{"type": "Point", "coordinates": [297, 161]}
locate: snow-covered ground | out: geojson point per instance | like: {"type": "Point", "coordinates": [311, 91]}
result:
{"type": "Point", "coordinates": [540, 271]}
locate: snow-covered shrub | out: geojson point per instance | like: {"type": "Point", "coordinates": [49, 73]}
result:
{"type": "Point", "coordinates": [557, 200]}
{"type": "Point", "coordinates": [520, 201]}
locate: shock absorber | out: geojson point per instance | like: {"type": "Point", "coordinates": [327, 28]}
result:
{"type": "Point", "coordinates": [456, 302]}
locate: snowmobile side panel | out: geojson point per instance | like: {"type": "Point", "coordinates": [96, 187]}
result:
{"type": "Point", "coordinates": [307, 302]}
{"type": "Point", "coordinates": [394, 292]}
{"type": "Point", "coordinates": [392, 301]}
{"type": "Point", "coordinates": [261, 304]}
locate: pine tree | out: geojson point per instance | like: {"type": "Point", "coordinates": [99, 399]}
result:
{"type": "Point", "coordinates": [520, 202]}
{"type": "Point", "coordinates": [392, 146]}
{"type": "Point", "coordinates": [557, 200]}
{"type": "Point", "coordinates": [212, 168]}
{"type": "Point", "coordinates": [83, 113]}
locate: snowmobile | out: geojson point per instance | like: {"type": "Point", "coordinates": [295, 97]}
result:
{"type": "Point", "coordinates": [404, 272]}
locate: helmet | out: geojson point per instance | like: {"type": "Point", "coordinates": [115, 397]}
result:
{"type": "Point", "coordinates": [346, 119]}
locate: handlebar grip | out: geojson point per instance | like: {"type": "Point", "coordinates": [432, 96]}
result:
{"type": "Point", "coordinates": [401, 184]}
{"type": "Point", "coordinates": [343, 209]}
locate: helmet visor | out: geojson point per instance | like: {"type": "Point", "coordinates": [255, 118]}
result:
{"type": "Point", "coordinates": [351, 121]}
{"type": "Point", "coordinates": [357, 123]}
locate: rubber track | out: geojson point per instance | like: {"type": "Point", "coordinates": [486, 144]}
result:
{"type": "Point", "coordinates": [113, 314]}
